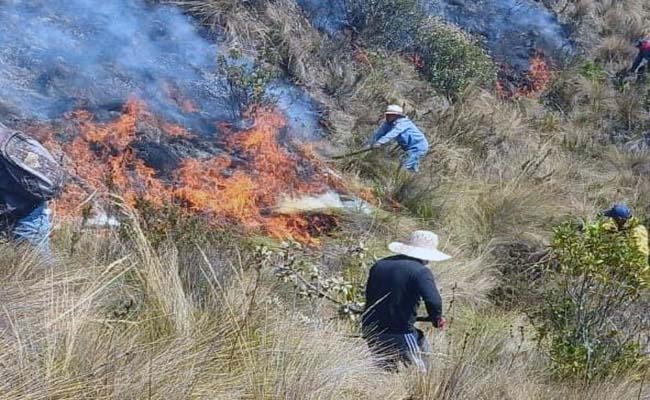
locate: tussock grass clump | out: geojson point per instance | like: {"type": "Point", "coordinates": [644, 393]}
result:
{"type": "Point", "coordinates": [126, 327]}
{"type": "Point", "coordinates": [391, 24]}
{"type": "Point", "coordinates": [170, 311]}
{"type": "Point", "coordinates": [482, 356]}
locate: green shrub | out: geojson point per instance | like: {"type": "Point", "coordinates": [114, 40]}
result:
{"type": "Point", "coordinates": [593, 313]}
{"type": "Point", "coordinates": [245, 83]}
{"type": "Point", "coordinates": [592, 71]}
{"type": "Point", "coordinates": [452, 59]}
{"type": "Point", "coordinates": [447, 56]}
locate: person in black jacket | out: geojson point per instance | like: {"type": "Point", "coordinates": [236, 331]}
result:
{"type": "Point", "coordinates": [396, 286]}
{"type": "Point", "coordinates": [22, 217]}
{"type": "Point", "coordinates": [640, 64]}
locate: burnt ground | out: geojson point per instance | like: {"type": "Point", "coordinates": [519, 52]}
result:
{"type": "Point", "coordinates": [512, 30]}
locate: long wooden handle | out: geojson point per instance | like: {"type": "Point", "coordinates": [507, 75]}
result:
{"type": "Point", "coordinates": [354, 153]}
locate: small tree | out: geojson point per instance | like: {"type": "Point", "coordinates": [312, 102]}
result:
{"type": "Point", "coordinates": [446, 56]}
{"type": "Point", "coordinates": [452, 59]}
{"type": "Point", "coordinates": [593, 315]}
{"type": "Point", "coordinates": [245, 83]}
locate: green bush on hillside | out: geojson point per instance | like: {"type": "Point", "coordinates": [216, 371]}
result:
{"type": "Point", "coordinates": [594, 296]}
{"type": "Point", "coordinates": [246, 84]}
{"type": "Point", "coordinates": [447, 56]}
{"type": "Point", "coordinates": [592, 71]}
{"type": "Point", "coordinates": [452, 59]}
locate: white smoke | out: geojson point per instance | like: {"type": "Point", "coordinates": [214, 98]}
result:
{"type": "Point", "coordinates": [512, 30]}
{"type": "Point", "coordinates": [60, 55]}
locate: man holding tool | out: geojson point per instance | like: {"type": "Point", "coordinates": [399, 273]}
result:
{"type": "Point", "coordinates": [395, 287]}
{"type": "Point", "coordinates": [400, 128]}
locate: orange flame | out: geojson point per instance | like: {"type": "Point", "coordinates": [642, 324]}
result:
{"type": "Point", "coordinates": [174, 94]}
{"type": "Point", "coordinates": [539, 77]}
{"type": "Point", "coordinates": [222, 188]}
{"type": "Point", "coordinates": [247, 197]}
{"type": "Point", "coordinates": [536, 81]}
{"type": "Point", "coordinates": [416, 59]}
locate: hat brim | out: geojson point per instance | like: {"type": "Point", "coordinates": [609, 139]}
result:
{"type": "Point", "coordinates": [393, 113]}
{"type": "Point", "coordinates": [418, 252]}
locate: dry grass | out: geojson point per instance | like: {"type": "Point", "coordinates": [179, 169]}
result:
{"type": "Point", "coordinates": [125, 327]}
{"type": "Point", "coordinates": [237, 18]}
{"type": "Point", "coordinates": [498, 173]}
{"type": "Point", "coordinates": [120, 319]}
{"type": "Point", "coordinates": [495, 356]}
{"type": "Point", "coordinates": [117, 321]}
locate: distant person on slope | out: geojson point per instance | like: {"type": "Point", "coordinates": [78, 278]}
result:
{"type": "Point", "coordinates": [29, 177]}
{"type": "Point", "coordinates": [640, 65]}
{"type": "Point", "coordinates": [621, 220]}
{"type": "Point", "coordinates": [400, 128]}
{"type": "Point", "coordinates": [395, 287]}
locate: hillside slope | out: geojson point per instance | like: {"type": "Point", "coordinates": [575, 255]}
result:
{"type": "Point", "coordinates": [170, 306]}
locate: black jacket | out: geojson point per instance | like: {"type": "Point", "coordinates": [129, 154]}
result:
{"type": "Point", "coordinates": [644, 54]}
{"type": "Point", "coordinates": [396, 286]}
{"type": "Point", "coordinates": [15, 203]}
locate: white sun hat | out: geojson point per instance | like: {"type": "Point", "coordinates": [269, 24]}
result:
{"type": "Point", "coordinates": [422, 245]}
{"type": "Point", "coordinates": [394, 109]}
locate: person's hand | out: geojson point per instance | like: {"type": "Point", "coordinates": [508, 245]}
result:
{"type": "Point", "coordinates": [441, 323]}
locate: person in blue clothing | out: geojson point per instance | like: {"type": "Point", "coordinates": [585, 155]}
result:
{"type": "Point", "coordinates": [23, 218]}
{"type": "Point", "coordinates": [400, 128]}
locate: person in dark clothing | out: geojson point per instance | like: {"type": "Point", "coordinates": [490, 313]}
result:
{"type": "Point", "coordinates": [396, 286]}
{"type": "Point", "coordinates": [643, 55]}
{"type": "Point", "coordinates": [22, 217]}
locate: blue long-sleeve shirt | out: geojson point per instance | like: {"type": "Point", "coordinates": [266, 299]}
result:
{"type": "Point", "coordinates": [404, 131]}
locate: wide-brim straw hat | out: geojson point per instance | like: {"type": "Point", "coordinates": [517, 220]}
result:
{"type": "Point", "coordinates": [394, 109]}
{"type": "Point", "coordinates": [422, 245]}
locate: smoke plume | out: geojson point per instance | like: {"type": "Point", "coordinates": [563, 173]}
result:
{"type": "Point", "coordinates": [61, 55]}
{"type": "Point", "coordinates": [512, 30]}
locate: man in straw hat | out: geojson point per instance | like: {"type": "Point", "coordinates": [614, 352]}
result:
{"type": "Point", "coordinates": [395, 287]}
{"type": "Point", "coordinates": [400, 128]}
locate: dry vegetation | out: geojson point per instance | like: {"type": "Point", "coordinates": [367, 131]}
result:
{"type": "Point", "coordinates": [120, 318]}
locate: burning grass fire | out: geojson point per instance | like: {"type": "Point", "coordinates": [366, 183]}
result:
{"type": "Point", "coordinates": [534, 82]}
{"type": "Point", "coordinates": [129, 94]}
{"type": "Point", "coordinates": [240, 186]}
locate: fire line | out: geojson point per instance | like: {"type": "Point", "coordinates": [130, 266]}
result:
{"type": "Point", "coordinates": [103, 156]}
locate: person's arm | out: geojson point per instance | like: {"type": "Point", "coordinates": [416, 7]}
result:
{"type": "Point", "coordinates": [381, 131]}
{"type": "Point", "coordinates": [394, 132]}
{"type": "Point", "coordinates": [431, 297]}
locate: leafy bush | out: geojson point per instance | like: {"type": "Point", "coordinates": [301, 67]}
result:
{"type": "Point", "coordinates": [452, 59]}
{"type": "Point", "coordinates": [346, 291]}
{"type": "Point", "coordinates": [593, 311]}
{"type": "Point", "coordinates": [245, 83]}
{"type": "Point", "coordinates": [447, 56]}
